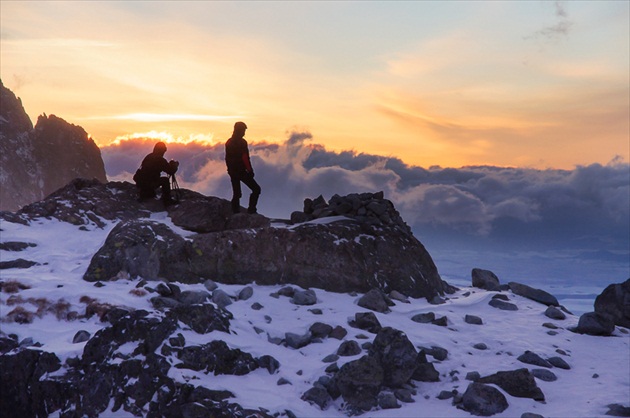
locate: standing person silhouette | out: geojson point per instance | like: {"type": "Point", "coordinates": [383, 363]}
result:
{"type": "Point", "coordinates": [239, 168]}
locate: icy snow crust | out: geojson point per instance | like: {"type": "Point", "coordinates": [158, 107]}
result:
{"type": "Point", "coordinates": [64, 252]}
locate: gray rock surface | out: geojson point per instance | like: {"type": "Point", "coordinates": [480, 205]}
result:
{"type": "Point", "coordinates": [614, 302]}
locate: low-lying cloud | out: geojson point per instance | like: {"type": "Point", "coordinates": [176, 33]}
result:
{"type": "Point", "coordinates": [588, 206]}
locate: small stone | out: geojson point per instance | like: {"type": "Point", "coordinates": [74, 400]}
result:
{"type": "Point", "coordinates": [81, 336]}
{"type": "Point", "coordinates": [256, 306]}
{"type": "Point", "coordinates": [423, 318]}
{"type": "Point", "coordinates": [473, 320]}
{"type": "Point", "coordinates": [246, 293]}
{"type": "Point", "coordinates": [555, 313]}
{"type": "Point", "coordinates": [282, 381]}
{"type": "Point", "coordinates": [480, 346]}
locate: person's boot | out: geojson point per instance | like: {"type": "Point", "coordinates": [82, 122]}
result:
{"type": "Point", "coordinates": [253, 201]}
{"type": "Point", "coordinates": [236, 206]}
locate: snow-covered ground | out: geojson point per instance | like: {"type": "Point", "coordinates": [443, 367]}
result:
{"type": "Point", "coordinates": [600, 366]}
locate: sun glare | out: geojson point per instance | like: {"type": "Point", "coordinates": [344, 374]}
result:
{"type": "Point", "coordinates": [167, 137]}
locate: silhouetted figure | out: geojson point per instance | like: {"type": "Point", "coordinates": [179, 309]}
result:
{"type": "Point", "coordinates": [149, 176]}
{"type": "Point", "coordinates": [239, 167]}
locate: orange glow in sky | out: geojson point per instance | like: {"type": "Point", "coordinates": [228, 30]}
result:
{"type": "Point", "coordinates": [536, 84]}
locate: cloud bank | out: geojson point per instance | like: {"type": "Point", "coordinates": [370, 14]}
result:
{"type": "Point", "coordinates": [587, 207]}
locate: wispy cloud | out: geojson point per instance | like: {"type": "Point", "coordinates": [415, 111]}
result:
{"type": "Point", "coordinates": [163, 117]}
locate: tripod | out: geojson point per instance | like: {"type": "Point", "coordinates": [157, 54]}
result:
{"type": "Point", "coordinates": [175, 192]}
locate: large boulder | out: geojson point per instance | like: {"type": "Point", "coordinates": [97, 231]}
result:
{"type": "Point", "coordinates": [614, 302]}
{"type": "Point", "coordinates": [483, 400]}
{"type": "Point", "coordinates": [359, 382]}
{"type": "Point", "coordinates": [593, 323]}
{"type": "Point", "coordinates": [342, 255]}
{"type": "Point", "coordinates": [484, 279]}
{"type": "Point", "coordinates": [519, 383]}
{"type": "Point", "coordinates": [396, 354]}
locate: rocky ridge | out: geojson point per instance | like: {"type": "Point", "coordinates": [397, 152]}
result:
{"type": "Point", "coordinates": [36, 161]}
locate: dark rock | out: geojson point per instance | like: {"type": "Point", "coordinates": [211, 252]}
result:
{"type": "Point", "coordinates": [246, 293]}
{"type": "Point", "coordinates": [424, 318]}
{"type": "Point", "coordinates": [618, 410]}
{"type": "Point", "coordinates": [614, 302]}
{"type": "Point", "coordinates": [20, 263]}
{"type": "Point", "coordinates": [480, 346]}
{"type": "Point", "coordinates": [331, 358]}
{"type": "Point", "coordinates": [269, 363]}
{"type": "Point", "coordinates": [555, 313]}
{"type": "Point", "coordinates": [297, 341]}
{"type": "Point", "coordinates": [544, 375]}
{"type": "Point", "coordinates": [318, 396]}
{"type": "Point", "coordinates": [472, 319]}
{"type": "Point", "coordinates": [304, 297]}
{"type": "Point", "coordinates": [375, 300]}
{"type": "Point", "coordinates": [81, 337]}
{"type": "Point", "coordinates": [193, 297]}
{"type": "Point", "coordinates": [593, 323]}
{"type": "Point", "coordinates": [210, 285]}
{"type": "Point", "coordinates": [396, 355]}
{"type": "Point", "coordinates": [221, 298]}
{"type": "Point", "coordinates": [537, 295]}
{"type": "Point", "coordinates": [425, 372]}
{"type": "Point", "coordinates": [202, 318]}
{"type": "Point", "coordinates": [446, 394]}
{"type": "Point", "coordinates": [437, 353]}
{"type": "Point", "coordinates": [387, 400]}
{"type": "Point", "coordinates": [15, 246]}
{"type": "Point", "coordinates": [282, 381]}
{"type": "Point", "coordinates": [218, 358]}
{"type": "Point", "coordinates": [257, 306]}
{"type": "Point", "coordinates": [531, 415]}
{"type": "Point", "coordinates": [366, 321]}
{"type": "Point", "coordinates": [533, 358]}
{"type": "Point", "coordinates": [501, 296]}
{"type": "Point", "coordinates": [504, 306]}
{"type": "Point", "coordinates": [442, 321]}
{"type": "Point", "coordinates": [349, 348]}
{"type": "Point", "coordinates": [404, 395]}
{"type": "Point", "coordinates": [559, 363]}
{"type": "Point", "coordinates": [484, 279]}
{"type": "Point", "coordinates": [359, 382]}
{"type": "Point", "coordinates": [519, 383]}
{"type": "Point", "coordinates": [338, 332]}
{"type": "Point", "coordinates": [473, 376]}
{"type": "Point", "coordinates": [483, 400]}
{"type": "Point", "coordinates": [320, 330]}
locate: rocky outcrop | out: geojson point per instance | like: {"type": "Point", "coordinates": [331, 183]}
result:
{"type": "Point", "coordinates": [345, 254]}
{"type": "Point", "coordinates": [125, 367]}
{"type": "Point", "coordinates": [35, 162]}
{"type": "Point", "coordinates": [614, 302]}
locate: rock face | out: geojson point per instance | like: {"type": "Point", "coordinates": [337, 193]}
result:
{"type": "Point", "coordinates": [36, 162]}
{"type": "Point", "coordinates": [614, 302]}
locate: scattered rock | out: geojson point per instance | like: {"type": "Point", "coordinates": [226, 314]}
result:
{"type": "Point", "coordinates": [537, 295]}
{"type": "Point", "coordinates": [618, 410]}
{"type": "Point", "coordinates": [359, 382]}
{"type": "Point", "coordinates": [318, 396]}
{"type": "Point", "coordinates": [396, 354]}
{"type": "Point", "coordinates": [533, 358]}
{"type": "Point", "coordinates": [555, 313]}
{"type": "Point", "coordinates": [519, 383]}
{"type": "Point", "coordinates": [544, 375]}
{"type": "Point", "coordinates": [320, 330]}
{"type": "Point", "coordinates": [349, 348]}
{"type": "Point", "coordinates": [593, 323]}
{"type": "Point", "coordinates": [81, 337]}
{"type": "Point", "coordinates": [472, 319]}
{"type": "Point", "coordinates": [559, 363]}
{"type": "Point", "coordinates": [304, 297]}
{"type": "Point", "coordinates": [424, 318]}
{"type": "Point", "coordinates": [296, 340]}
{"type": "Point", "coordinates": [485, 279]}
{"type": "Point", "coordinates": [246, 293]}
{"type": "Point", "coordinates": [221, 298]}
{"type": "Point", "coordinates": [387, 400]}
{"type": "Point", "coordinates": [366, 321]}
{"type": "Point", "coordinates": [614, 302]}
{"type": "Point", "coordinates": [504, 306]}
{"type": "Point", "coordinates": [375, 300]}
{"type": "Point", "coordinates": [484, 400]}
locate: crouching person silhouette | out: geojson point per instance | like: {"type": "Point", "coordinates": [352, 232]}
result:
{"type": "Point", "coordinates": [148, 177]}
{"type": "Point", "coordinates": [239, 168]}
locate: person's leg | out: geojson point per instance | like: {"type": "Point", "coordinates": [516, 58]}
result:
{"type": "Point", "coordinates": [236, 193]}
{"type": "Point", "coordinates": [253, 198]}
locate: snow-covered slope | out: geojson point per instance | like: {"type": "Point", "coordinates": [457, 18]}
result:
{"type": "Point", "coordinates": [599, 372]}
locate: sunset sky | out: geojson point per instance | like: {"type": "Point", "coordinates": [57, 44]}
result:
{"type": "Point", "coordinates": [537, 84]}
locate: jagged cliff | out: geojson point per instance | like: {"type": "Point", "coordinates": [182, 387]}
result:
{"type": "Point", "coordinates": [35, 162]}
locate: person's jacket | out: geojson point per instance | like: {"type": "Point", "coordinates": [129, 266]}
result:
{"type": "Point", "coordinates": [152, 167]}
{"type": "Point", "coordinates": [237, 156]}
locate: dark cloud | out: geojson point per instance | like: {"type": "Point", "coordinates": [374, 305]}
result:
{"type": "Point", "coordinates": [588, 206]}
